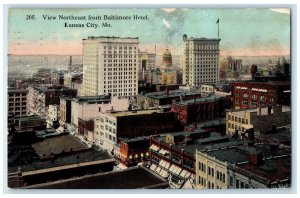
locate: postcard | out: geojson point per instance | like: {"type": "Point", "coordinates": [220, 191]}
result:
{"type": "Point", "coordinates": [149, 98]}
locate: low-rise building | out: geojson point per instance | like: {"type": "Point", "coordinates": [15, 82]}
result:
{"type": "Point", "coordinates": [244, 166]}
{"type": "Point", "coordinates": [17, 102]}
{"type": "Point", "coordinates": [260, 94]}
{"type": "Point", "coordinates": [260, 119]}
{"type": "Point", "coordinates": [29, 123]}
{"type": "Point", "coordinates": [130, 124]}
{"type": "Point", "coordinates": [89, 107]}
{"type": "Point", "coordinates": [155, 99]}
{"type": "Point", "coordinates": [40, 97]}
{"type": "Point", "coordinates": [173, 155]}
{"type": "Point", "coordinates": [201, 109]}
{"type": "Point", "coordinates": [130, 152]}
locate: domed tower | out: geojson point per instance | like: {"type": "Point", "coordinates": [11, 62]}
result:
{"type": "Point", "coordinates": [167, 58]}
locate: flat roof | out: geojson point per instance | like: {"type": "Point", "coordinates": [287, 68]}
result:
{"type": "Point", "coordinates": [17, 90]}
{"type": "Point", "coordinates": [131, 178]}
{"type": "Point", "coordinates": [275, 169]}
{"type": "Point", "coordinates": [172, 94]}
{"type": "Point", "coordinates": [135, 139]}
{"type": "Point", "coordinates": [50, 89]}
{"type": "Point", "coordinates": [202, 99]}
{"type": "Point", "coordinates": [99, 98]}
{"type": "Point", "coordinates": [231, 155]}
{"type": "Point", "coordinates": [57, 145]}
{"type": "Point", "coordinates": [203, 39]}
{"type": "Point", "coordinates": [264, 111]}
{"type": "Point", "coordinates": [130, 113]}
{"type": "Point", "coordinates": [265, 83]}
{"type": "Point", "coordinates": [27, 118]}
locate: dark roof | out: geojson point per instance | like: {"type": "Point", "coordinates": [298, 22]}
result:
{"type": "Point", "coordinates": [131, 178]}
{"type": "Point", "coordinates": [202, 99]}
{"type": "Point", "coordinates": [275, 169]}
{"type": "Point", "coordinates": [172, 94]}
{"type": "Point", "coordinates": [58, 144]}
{"type": "Point", "coordinates": [17, 90]}
{"type": "Point", "coordinates": [100, 98]}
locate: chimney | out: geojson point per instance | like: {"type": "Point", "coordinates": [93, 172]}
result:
{"type": "Point", "coordinates": [256, 157]}
{"type": "Point", "coordinates": [250, 134]}
{"type": "Point", "coordinates": [269, 110]}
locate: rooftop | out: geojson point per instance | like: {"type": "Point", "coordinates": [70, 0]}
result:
{"type": "Point", "coordinates": [274, 169]}
{"type": "Point", "coordinates": [57, 145]}
{"type": "Point", "coordinates": [28, 158]}
{"type": "Point", "coordinates": [131, 178]}
{"type": "Point", "coordinates": [264, 83]}
{"type": "Point", "coordinates": [264, 111]}
{"type": "Point", "coordinates": [92, 99]}
{"type": "Point", "coordinates": [131, 113]}
{"type": "Point", "coordinates": [172, 94]}
{"type": "Point", "coordinates": [45, 89]}
{"type": "Point", "coordinates": [29, 118]}
{"type": "Point", "coordinates": [17, 90]}
{"type": "Point", "coordinates": [202, 99]}
{"type": "Point", "coordinates": [231, 155]}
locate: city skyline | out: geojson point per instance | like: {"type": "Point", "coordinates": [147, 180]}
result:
{"type": "Point", "coordinates": [257, 32]}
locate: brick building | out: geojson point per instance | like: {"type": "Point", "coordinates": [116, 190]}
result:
{"type": "Point", "coordinates": [254, 94]}
{"type": "Point", "coordinates": [173, 155]}
{"type": "Point", "coordinates": [201, 109]}
{"type": "Point", "coordinates": [133, 151]}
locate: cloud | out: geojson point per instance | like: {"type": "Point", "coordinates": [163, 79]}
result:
{"type": "Point", "coordinates": [168, 9]}
{"type": "Point", "coordinates": [281, 10]}
{"type": "Point", "coordinates": [166, 23]}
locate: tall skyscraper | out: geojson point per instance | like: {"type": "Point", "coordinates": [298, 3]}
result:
{"type": "Point", "coordinates": [110, 65]}
{"type": "Point", "coordinates": [200, 61]}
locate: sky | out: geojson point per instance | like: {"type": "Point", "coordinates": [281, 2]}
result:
{"type": "Point", "coordinates": [243, 32]}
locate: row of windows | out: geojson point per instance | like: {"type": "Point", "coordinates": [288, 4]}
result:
{"type": "Point", "coordinates": [236, 127]}
{"type": "Point", "coordinates": [119, 94]}
{"type": "Point", "coordinates": [238, 183]}
{"type": "Point", "coordinates": [118, 47]}
{"type": "Point", "coordinates": [119, 68]}
{"type": "Point", "coordinates": [110, 137]}
{"type": "Point", "coordinates": [120, 73]}
{"type": "Point", "coordinates": [121, 56]}
{"type": "Point", "coordinates": [120, 81]}
{"type": "Point", "coordinates": [221, 176]}
{"type": "Point", "coordinates": [110, 129]}
{"type": "Point", "coordinates": [115, 60]}
{"type": "Point", "coordinates": [237, 119]}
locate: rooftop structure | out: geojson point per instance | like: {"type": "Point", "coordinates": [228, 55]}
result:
{"type": "Point", "coordinates": [132, 178]}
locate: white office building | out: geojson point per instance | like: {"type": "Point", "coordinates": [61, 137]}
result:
{"type": "Point", "coordinates": [200, 61]}
{"type": "Point", "coordinates": [110, 65]}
